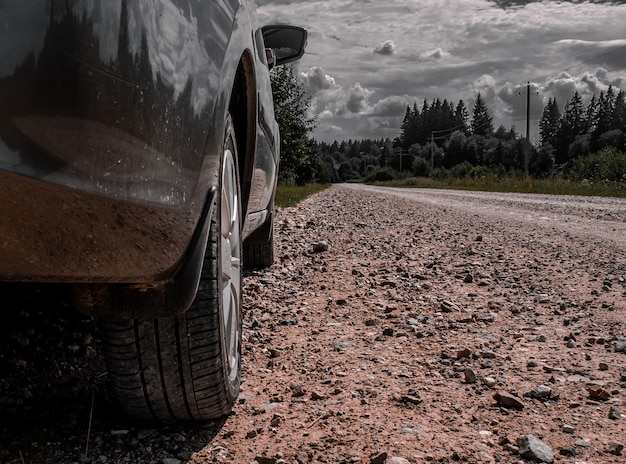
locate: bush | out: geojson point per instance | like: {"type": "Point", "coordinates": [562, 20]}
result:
{"type": "Point", "coordinates": [461, 170]}
{"type": "Point", "coordinates": [441, 174]}
{"type": "Point", "coordinates": [382, 175]}
{"type": "Point", "coordinates": [421, 167]}
{"type": "Point", "coordinates": [608, 164]}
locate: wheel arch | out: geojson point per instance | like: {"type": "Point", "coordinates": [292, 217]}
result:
{"type": "Point", "coordinates": [243, 108]}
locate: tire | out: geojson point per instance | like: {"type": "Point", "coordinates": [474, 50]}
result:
{"type": "Point", "coordinates": [188, 367]}
{"type": "Point", "coordinates": [258, 251]}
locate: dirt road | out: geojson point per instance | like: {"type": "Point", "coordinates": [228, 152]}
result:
{"type": "Point", "coordinates": [396, 326]}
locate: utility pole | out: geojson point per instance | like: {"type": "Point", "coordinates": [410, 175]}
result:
{"type": "Point", "coordinates": [527, 147]}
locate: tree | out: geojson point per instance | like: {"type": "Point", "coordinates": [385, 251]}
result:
{"type": "Point", "coordinates": [482, 122]}
{"type": "Point", "coordinates": [549, 124]}
{"type": "Point", "coordinates": [461, 118]}
{"type": "Point", "coordinates": [574, 122]}
{"type": "Point", "coordinates": [292, 108]}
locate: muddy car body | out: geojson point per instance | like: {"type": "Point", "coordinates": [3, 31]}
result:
{"type": "Point", "coordinates": [138, 162]}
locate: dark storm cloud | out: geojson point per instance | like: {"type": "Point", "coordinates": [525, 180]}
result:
{"type": "Point", "coordinates": [492, 47]}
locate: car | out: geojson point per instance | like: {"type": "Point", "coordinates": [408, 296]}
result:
{"type": "Point", "coordinates": [138, 164]}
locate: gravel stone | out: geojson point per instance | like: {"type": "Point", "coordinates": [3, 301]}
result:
{"type": "Point", "coordinates": [400, 257]}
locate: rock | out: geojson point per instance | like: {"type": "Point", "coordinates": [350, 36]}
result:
{"type": "Point", "coordinates": [297, 390]}
{"type": "Point", "coordinates": [620, 347]}
{"type": "Point", "coordinates": [489, 382]}
{"type": "Point", "coordinates": [470, 376]}
{"type": "Point", "coordinates": [569, 451]}
{"type": "Point", "coordinates": [532, 362]}
{"type": "Point", "coordinates": [448, 307]}
{"type": "Point", "coordinates": [540, 393]}
{"type": "Point", "coordinates": [464, 353]}
{"type": "Point", "coordinates": [568, 429]}
{"type": "Point", "coordinates": [614, 413]}
{"type": "Point", "coordinates": [582, 443]}
{"type": "Point", "coordinates": [615, 449]}
{"type": "Point", "coordinates": [596, 392]}
{"type": "Point", "coordinates": [411, 398]}
{"type": "Point", "coordinates": [371, 322]}
{"type": "Point", "coordinates": [320, 247]}
{"type": "Point", "coordinates": [265, 460]}
{"type": "Point", "coordinates": [170, 461]}
{"type": "Point", "coordinates": [396, 460]}
{"type": "Point", "coordinates": [378, 458]}
{"type": "Point", "coordinates": [277, 419]}
{"type": "Point", "coordinates": [341, 346]}
{"type": "Point", "coordinates": [507, 400]}
{"type": "Point", "coordinates": [412, 431]}
{"type": "Point", "coordinates": [530, 447]}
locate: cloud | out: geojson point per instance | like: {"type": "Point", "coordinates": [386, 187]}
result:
{"type": "Point", "coordinates": [316, 80]}
{"type": "Point", "coordinates": [386, 48]}
{"type": "Point", "coordinates": [391, 106]}
{"type": "Point", "coordinates": [432, 55]}
{"type": "Point", "coordinates": [439, 53]}
{"type": "Point", "coordinates": [357, 99]}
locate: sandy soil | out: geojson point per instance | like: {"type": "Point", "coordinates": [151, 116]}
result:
{"type": "Point", "coordinates": [394, 327]}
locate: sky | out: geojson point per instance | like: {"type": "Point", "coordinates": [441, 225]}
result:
{"type": "Point", "coordinates": [367, 60]}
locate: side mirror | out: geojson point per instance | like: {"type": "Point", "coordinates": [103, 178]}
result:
{"type": "Point", "coordinates": [287, 43]}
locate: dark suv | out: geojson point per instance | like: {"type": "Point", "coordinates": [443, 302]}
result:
{"type": "Point", "coordinates": [138, 162]}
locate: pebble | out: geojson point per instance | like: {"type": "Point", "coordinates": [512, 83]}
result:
{"type": "Point", "coordinates": [397, 460]}
{"type": "Point", "coordinates": [470, 376]}
{"type": "Point", "coordinates": [320, 247]}
{"type": "Point", "coordinates": [489, 382]}
{"type": "Point", "coordinates": [507, 400]}
{"type": "Point", "coordinates": [598, 393]}
{"type": "Point", "coordinates": [568, 451]}
{"type": "Point", "coordinates": [614, 413]}
{"type": "Point", "coordinates": [615, 449]}
{"type": "Point", "coordinates": [379, 458]}
{"type": "Point", "coordinates": [540, 393]}
{"type": "Point", "coordinates": [531, 447]}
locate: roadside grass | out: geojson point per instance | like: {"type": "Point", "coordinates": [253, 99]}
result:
{"type": "Point", "coordinates": [555, 186]}
{"type": "Point", "coordinates": [291, 195]}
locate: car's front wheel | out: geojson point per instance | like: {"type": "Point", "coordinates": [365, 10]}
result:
{"type": "Point", "coordinates": [188, 367]}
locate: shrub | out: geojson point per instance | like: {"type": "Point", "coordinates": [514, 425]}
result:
{"type": "Point", "coordinates": [382, 175]}
{"type": "Point", "coordinates": [421, 167]}
{"type": "Point", "coordinates": [461, 170]}
{"type": "Point", "coordinates": [606, 164]}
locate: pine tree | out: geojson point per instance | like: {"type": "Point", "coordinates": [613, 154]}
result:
{"type": "Point", "coordinates": [573, 123]}
{"type": "Point", "coordinates": [604, 113]}
{"type": "Point", "coordinates": [619, 112]}
{"type": "Point", "coordinates": [461, 118]}
{"type": "Point", "coordinates": [549, 124]}
{"type": "Point", "coordinates": [482, 122]}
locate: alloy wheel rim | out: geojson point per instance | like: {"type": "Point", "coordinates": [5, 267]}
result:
{"type": "Point", "coordinates": [230, 252]}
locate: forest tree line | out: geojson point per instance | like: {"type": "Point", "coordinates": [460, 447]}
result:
{"type": "Point", "coordinates": [443, 139]}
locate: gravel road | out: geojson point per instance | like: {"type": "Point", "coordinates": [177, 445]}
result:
{"type": "Point", "coordinates": [396, 326]}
